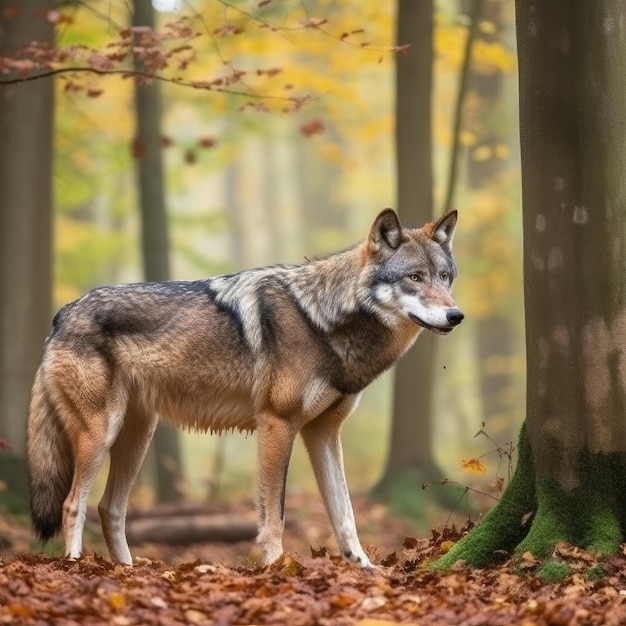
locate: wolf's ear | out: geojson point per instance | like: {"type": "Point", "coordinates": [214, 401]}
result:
{"type": "Point", "coordinates": [443, 230]}
{"type": "Point", "coordinates": [386, 231]}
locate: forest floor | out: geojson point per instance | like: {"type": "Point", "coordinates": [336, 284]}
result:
{"type": "Point", "coordinates": [219, 584]}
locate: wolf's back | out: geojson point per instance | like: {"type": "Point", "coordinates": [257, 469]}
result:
{"type": "Point", "coordinates": [49, 460]}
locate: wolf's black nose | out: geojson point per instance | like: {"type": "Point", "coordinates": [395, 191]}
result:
{"type": "Point", "coordinates": [454, 316]}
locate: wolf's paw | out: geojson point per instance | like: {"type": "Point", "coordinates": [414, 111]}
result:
{"type": "Point", "coordinates": [270, 553]}
{"type": "Point", "coordinates": [361, 559]}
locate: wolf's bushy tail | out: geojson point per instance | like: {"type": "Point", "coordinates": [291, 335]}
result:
{"type": "Point", "coordinates": [50, 462]}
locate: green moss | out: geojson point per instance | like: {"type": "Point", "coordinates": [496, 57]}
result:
{"type": "Point", "coordinates": [604, 474]}
{"type": "Point", "coordinates": [506, 524]}
{"type": "Point", "coordinates": [603, 533]}
{"type": "Point", "coordinates": [553, 521]}
{"type": "Point", "coordinates": [597, 572]}
{"type": "Point", "coordinates": [554, 571]}
{"type": "Point", "coordinates": [592, 517]}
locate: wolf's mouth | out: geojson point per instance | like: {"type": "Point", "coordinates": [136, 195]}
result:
{"type": "Point", "coordinates": [435, 329]}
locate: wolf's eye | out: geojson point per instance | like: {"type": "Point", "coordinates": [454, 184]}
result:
{"type": "Point", "coordinates": [416, 277]}
{"type": "Point", "coordinates": [445, 276]}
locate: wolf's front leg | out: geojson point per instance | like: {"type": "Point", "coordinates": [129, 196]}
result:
{"type": "Point", "coordinates": [323, 443]}
{"type": "Point", "coordinates": [275, 442]}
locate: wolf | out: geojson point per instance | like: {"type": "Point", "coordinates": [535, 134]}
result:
{"type": "Point", "coordinates": [282, 350]}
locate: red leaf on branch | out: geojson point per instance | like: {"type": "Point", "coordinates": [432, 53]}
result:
{"type": "Point", "coordinates": [138, 148]}
{"type": "Point", "coordinates": [404, 49]}
{"type": "Point", "coordinates": [207, 142]}
{"type": "Point", "coordinates": [141, 29]}
{"type": "Point", "coordinates": [94, 93]}
{"type": "Point", "coordinates": [11, 12]}
{"type": "Point", "coordinates": [312, 127]}
{"type": "Point", "coordinates": [313, 22]}
{"type": "Point", "coordinates": [272, 71]}
{"type": "Point", "coordinates": [190, 157]}
{"type": "Point", "coordinates": [166, 141]}
{"type": "Point", "coordinates": [100, 61]}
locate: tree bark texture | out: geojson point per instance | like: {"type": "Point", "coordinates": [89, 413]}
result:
{"type": "Point", "coordinates": [573, 138]}
{"type": "Point", "coordinates": [572, 71]}
{"type": "Point", "coordinates": [26, 139]}
{"type": "Point", "coordinates": [155, 241]}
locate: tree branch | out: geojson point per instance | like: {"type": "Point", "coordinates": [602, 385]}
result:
{"type": "Point", "coordinates": [477, 8]}
{"type": "Point", "coordinates": [149, 76]}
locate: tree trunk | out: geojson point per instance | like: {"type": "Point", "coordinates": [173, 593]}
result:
{"type": "Point", "coordinates": [496, 331]}
{"type": "Point", "coordinates": [26, 131]}
{"type": "Point", "coordinates": [410, 461]}
{"type": "Point", "coordinates": [572, 67]}
{"type": "Point", "coordinates": [155, 242]}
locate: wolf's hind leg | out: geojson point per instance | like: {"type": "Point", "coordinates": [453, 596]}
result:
{"type": "Point", "coordinates": [127, 454]}
{"type": "Point", "coordinates": [275, 442]}
{"type": "Point", "coordinates": [323, 443]}
{"type": "Point", "coordinates": [89, 453]}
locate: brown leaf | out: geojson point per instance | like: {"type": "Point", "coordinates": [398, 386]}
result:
{"type": "Point", "coordinates": [138, 148]}
{"type": "Point", "coordinates": [526, 517]}
{"type": "Point", "coordinates": [318, 554]}
{"type": "Point", "coordinates": [312, 127]}
{"type": "Point", "coordinates": [528, 561]}
{"type": "Point", "coordinates": [11, 11]}
{"type": "Point", "coordinates": [207, 142]}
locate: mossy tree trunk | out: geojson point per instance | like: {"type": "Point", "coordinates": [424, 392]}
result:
{"type": "Point", "coordinates": [572, 467]}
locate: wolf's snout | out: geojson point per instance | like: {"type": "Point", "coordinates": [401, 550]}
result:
{"type": "Point", "coordinates": [454, 316]}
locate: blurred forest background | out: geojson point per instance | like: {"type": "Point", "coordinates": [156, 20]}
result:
{"type": "Point", "coordinates": [278, 132]}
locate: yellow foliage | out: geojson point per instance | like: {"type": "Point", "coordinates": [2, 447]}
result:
{"type": "Point", "coordinates": [445, 546]}
{"type": "Point", "coordinates": [502, 151]}
{"type": "Point", "coordinates": [482, 153]}
{"type": "Point", "coordinates": [474, 466]}
{"type": "Point", "coordinates": [487, 27]}
{"type": "Point", "coordinates": [493, 56]}
{"type": "Point", "coordinates": [116, 600]}
{"type": "Point", "coordinates": [467, 138]}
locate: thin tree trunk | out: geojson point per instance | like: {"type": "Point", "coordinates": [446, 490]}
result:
{"type": "Point", "coordinates": [155, 243]}
{"type": "Point", "coordinates": [410, 447]}
{"type": "Point", "coordinates": [477, 6]}
{"type": "Point", "coordinates": [495, 332]}
{"type": "Point", "coordinates": [26, 140]}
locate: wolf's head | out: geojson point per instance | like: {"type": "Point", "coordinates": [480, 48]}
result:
{"type": "Point", "coordinates": [411, 271]}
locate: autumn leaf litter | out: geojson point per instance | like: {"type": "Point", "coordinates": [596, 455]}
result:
{"type": "Point", "coordinates": [188, 586]}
